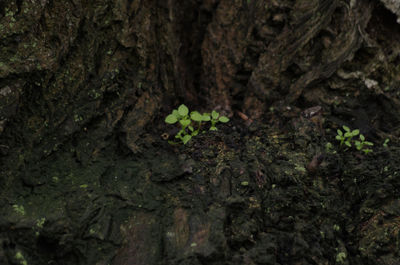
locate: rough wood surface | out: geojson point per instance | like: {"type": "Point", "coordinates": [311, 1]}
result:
{"type": "Point", "coordinates": [85, 177]}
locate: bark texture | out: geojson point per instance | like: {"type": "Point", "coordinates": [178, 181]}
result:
{"type": "Point", "coordinates": [394, 6]}
{"type": "Point", "coordinates": [86, 179]}
{"type": "Point", "coordinates": [67, 65]}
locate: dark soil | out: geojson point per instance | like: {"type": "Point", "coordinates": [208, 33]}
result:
{"type": "Point", "coordinates": [241, 195]}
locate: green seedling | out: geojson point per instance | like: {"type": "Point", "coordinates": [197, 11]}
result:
{"type": "Point", "coordinates": [197, 118]}
{"type": "Point", "coordinates": [362, 143]}
{"type": "Point", "coordinates": [191, 123]}
{"type": "Point", "coordinates": [20, 257]}
{"type": "Point", "coordinates": [181, 115]}
{"type": "Point", "coordinates": [385, 143]}
{"type": "Point", "coordinates": [216, 118]}
{"type": "Point", "coordinates": [19, 209]}
{"type": "Point", "coordinates": [328, 146]}
{"type": "Point", "coordinates": [345, 138]}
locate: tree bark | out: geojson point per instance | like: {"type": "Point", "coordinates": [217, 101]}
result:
{"type": "Point", "coordinates": [65, 65]}
{"type": "Point", "coordinates": [75, 74]}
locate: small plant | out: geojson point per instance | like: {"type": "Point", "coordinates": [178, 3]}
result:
{"type": "Point", "coordinates": [385, 143]}
{"type": "Point", "coordinates": [20, 257]}
{"type": "Point", "coordinates": [216, 118]}
{"type": "Point", "coordinates": [360, 145]}
{"type": "Point", "coordinates": [191, 123]}
{"type": "Point", "coordinates": [346, 138]}
{"type": "Point", "coordinates": [39, 225]}
{"type": "Point", "coordinates": [329, 148]}
{"type": "Point", "coordinates": [19, 209]}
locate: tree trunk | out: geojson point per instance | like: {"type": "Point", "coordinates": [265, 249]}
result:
{"type": "Point", "coordinates": [84, 90]}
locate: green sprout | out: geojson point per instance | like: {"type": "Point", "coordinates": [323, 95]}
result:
{"type": "Point", "coordinates": [385, 143]}
{"type": "Point", "coordinates": [360, 145]}
{"type": "Point", "coordinates": [347, 136]}
{"type": "Point", "coordinates": [216, 118]}
{"type": "Point", "coordinates": [191, 123]}
{"type": "Point", "coordinates": [341, 257]}
{"type": "Point", "coordinates": [20, 257]}
{"type": "Point", "coordinates": [328, 147]}
{"type": "Point", "coordinates": [40, 222]}
{"type": "Point", "coordinates": [19, 209]}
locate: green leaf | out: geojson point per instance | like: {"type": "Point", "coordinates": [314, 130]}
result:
{"type": "Point", "coordinates": [186, 138]}
{"type": "Point", "coordinates": [185, 123]}
{"type": "Point", "coordinates": [171, 119]}
{"type": "Point", "coordinates": [328, 146]}
{"type": "Point", "coordinates": [196, 116]}
{"type": "Point", "coordinates": [214, 115]}
{"type": "Point", "coordinates": [176, 114]}
{"type": "Point", "coordinates": [338, 137]}
{"type": "Point", "coordinates": [347, 143]}
{"type": "Point", "coordinates": [195, 133]}
{"type": "Point", "coordinates": [385, 143]}
{"type": "Point", "coordinates": [183, 110]}
{"type": "Point", "coordinates": [206, 117]}
{"type": "Point", "coordinates": [213, 128]}
{"type": "Point", "coordinates": [339, 132]}
{"type": "Point", "coordinates": [191, 128]}
{"type": "Point", "coordinates": [362, 138]}
{"type": "Point", "coordinates": [347, 129]}
{"type": "Point", "coordinates": [355, 132]}
{"type": "Point", "coordinates": [172, 142]}
{"type": "Point", "coordinates": [366, 151]}
{"type": "Point", "coordinates": [347, 134]}
{"type": "Point", "coordinates": [223, 119]}
{"type": "Point", "coordinates": [179, 134]}
{"type": "Point", "coordinates": [368, 143]}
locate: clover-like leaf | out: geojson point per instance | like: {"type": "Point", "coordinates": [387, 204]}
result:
{"type": "Point", "coordinates": [347, 134]}
{"type": "Point", "coordinates": [183, 110]}
{"type": "Point", "coordinates": [186, 138]}
{"type": "Point", "coordinates": [355, 132]}
{"type": "Point", "coordinates": [338, 137]}
{"type": "Point", "coordinates": [358, 145]}
{"type": "Point", "coordinates": [185, 122]}
{"type": "Point", "coordinates": [214, 115]}
{"type": "Point", "coordinates": [368, 143]}
{"type": "Point", "coordinates": [171, 119]}
{"type": "Point", "coordinates": [223, 119]}
{"type": "Point", "coordinates": [213, 128]}
{"type": "Point", "coordinates": [347, 129]}
{"type": "Point", "coordinates": [339, 132]}
{"type": "Point", "coordinates": [196, 116]}
{"type": "Point", "coordinates": [176, 114]}
{"type": "Point", "coordinates": [362, 138]}
{"type": "Point", "coordinates": [206, 117]}
{"type": "Point", "coordinates": [347, 143]}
